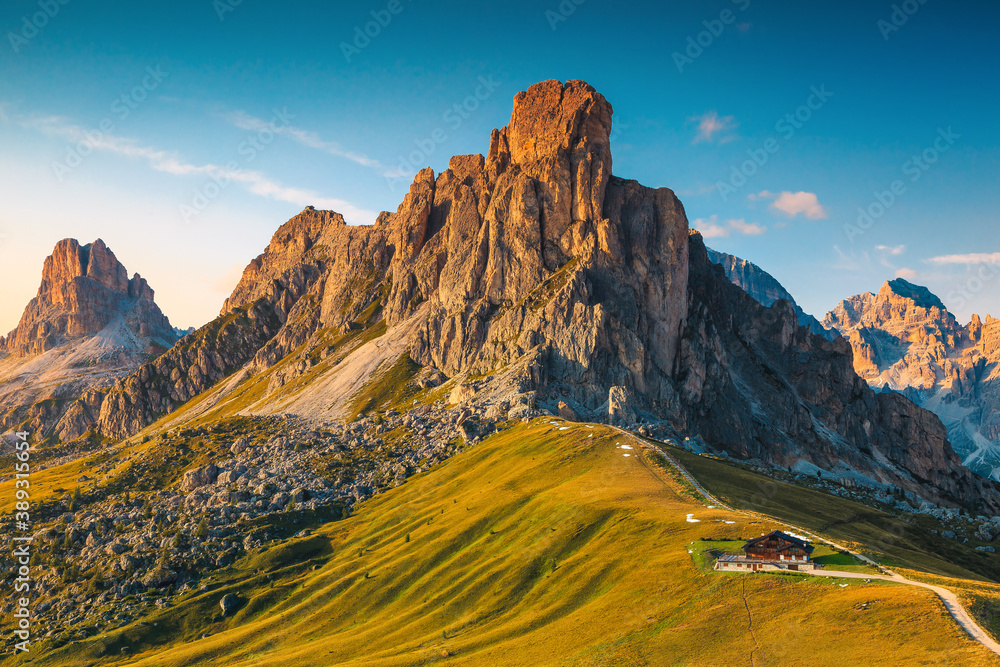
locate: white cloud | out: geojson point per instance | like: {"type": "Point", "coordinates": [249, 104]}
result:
{"type": "Point", "coordinates": [749, 229]}
{"type": "Point", "coordinates": [711, 124]}
{"type": "Point", "coordinates": [245, 121]}
{"type": "Point", "coordinates": [168, 162]}
{"type": "Point", "coordinates": [892, 250]}
{"type": "Point", "coordinates": [968, 259]}
{"type": "Point", "coordinates": [711, 229]}
{"type": "Point", "coordinates": [793, 203]}
{"type": "Point", "coordinates": [907, 274]}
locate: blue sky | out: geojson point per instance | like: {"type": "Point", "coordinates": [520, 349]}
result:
{"type": "Point", "coordinates": [203, 134]}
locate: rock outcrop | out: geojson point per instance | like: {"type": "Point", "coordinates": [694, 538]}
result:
{"type": "Point", "coordinates": [763, 287]}
{"type": "Point", "coordinates": [533, 271]}
{"type": "Point", "coordinates": [83, 290]}
{"type": "Point", "coordinates": [89, 325]}
{"type": "Point", "coordinates": [905, 340]}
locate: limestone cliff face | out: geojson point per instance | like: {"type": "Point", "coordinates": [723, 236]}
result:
{"type": "Point", "coordinates": [905, 340]}
{"type": "Point", "coordinates": [535, 268]}
{"type": "Point", "coordinates": [763, 287]}
{"type": "Point", "coordinates": [88, 325]}
{"type": "Point", "coordinates": [534, 249]}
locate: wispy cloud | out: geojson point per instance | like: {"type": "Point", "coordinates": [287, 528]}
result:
{"type": "Point", "coordinates": [907, 274]}
{"type": "Point", "coordinates": [968, 259]}
{"type": "Point", "coordinates": [307, 138]}
{"type": "Point", "coordinates": [892, 250]}
{"type": "Point", "coordinates": [168, 162]}
{"type": "Point", "coordinates": [794, 204]}
{"type": "Point", "coordinates": [711, 125]}
{"type": "Point", "coordinates": [711, 229]}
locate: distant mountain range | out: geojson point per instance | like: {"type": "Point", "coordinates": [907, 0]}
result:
{"type": "Point", "coordinates": [905, 340]}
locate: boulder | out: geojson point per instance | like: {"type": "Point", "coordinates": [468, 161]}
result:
{"type": "Point", "coordinates": [159, 577]}
{"type": "Point", "coordinates": [461, 393]}
{"type": "Point", "coordinates": [198, 477]}
{"type": "Point", "coordinates": [229, 603]}
{"type": "Point", "coordinates": [240, 446]}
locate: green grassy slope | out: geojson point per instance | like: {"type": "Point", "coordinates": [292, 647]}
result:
{"type": "Point", "coordinates": [892, 541]}
{"type": "Point", "coordinates": [544, 545]}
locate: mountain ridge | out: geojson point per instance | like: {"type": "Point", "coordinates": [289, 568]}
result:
{"type": "Point", "coordinates": [533, 276]}
{"type": "Point", "coordinates": [762, 286]}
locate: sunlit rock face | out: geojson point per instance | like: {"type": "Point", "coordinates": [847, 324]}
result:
{"type": "Point", "coordinates": [905, 340]}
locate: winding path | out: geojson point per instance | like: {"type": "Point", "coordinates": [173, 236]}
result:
{"type": "Point", "coordinates": [950, 600]}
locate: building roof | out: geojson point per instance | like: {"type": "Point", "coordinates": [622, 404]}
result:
{"type": "Point", "coordinates": [792, 541]}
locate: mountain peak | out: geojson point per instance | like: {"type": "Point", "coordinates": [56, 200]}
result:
{"type": "Point", "coordinates": [83, 289]}
{"type": "Point", "coordinates": [920, 295]}
{"type": "Point", "coordinates": [551, 119]}
{"type": "Point", "coordinates": [559, 135]}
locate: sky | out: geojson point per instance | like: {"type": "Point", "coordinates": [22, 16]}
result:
{"type": "Point", "coordinates": [835, 144]}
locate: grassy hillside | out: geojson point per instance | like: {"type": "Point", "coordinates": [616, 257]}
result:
{"type": "Point", "coordinates": [544, 545]}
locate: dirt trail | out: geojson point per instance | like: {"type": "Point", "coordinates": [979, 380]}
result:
{"type": "Point", "coordinates": [950, 600]}
{"type": "Point", "coordinates": [746, 603]}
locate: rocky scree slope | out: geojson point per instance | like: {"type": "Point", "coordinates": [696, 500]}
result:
{"type": "Point", "coordinates": [905, 340]}
{"type": "Point", "coordinates": [533, 271]}
{"type": "Point", "coordinates": [89, 325]}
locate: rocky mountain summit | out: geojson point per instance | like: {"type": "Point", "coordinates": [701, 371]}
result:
{"type": "Point", "coordinates": [905, 340]}
{"type": "Point", "coordinates": [532, 279]}
{"type": "Point", "coordinates": [84, 289]}
{"type": "Point", "coordinates": [763, 287]}
{"type": "Point", "coordinates": [89, 325]}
